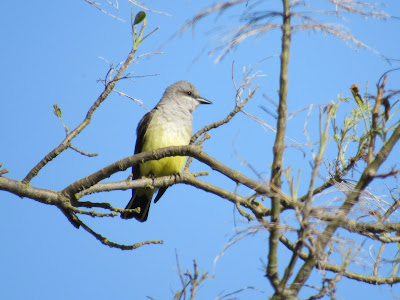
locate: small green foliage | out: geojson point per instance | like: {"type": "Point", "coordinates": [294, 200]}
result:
{"type": "Point", "coordinates": [349, 131]}
{"type": "Point", "coordinates": [139, 18]}
{"type": "Point", "coordinates": [141, 15]}
{"type": "Point", "coordinates": [291, 181]}
{"type": "Point", "coordinates": [58, 113]}
{"type": "Point", "coordinates": [57, 110]}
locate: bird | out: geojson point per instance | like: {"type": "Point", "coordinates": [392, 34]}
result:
{"type": "Point", "coordinates": [169, 123]}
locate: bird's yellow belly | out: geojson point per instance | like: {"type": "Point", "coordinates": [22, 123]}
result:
{"type": "Point", "coordinates": [164, 138]}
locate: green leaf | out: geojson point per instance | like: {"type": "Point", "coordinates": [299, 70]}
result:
{"type": "Point", "coordinates": [141, 15]}
{"type": "Point", "coordinates": [57, 110]}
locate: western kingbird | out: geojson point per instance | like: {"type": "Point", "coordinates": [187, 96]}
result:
{"type": "Point", "coordinates": [169, 123]}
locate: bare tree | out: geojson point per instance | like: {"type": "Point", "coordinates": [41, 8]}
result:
{"type": "Point", "coordinates": [317, 224]}
{"type": "Point", "coordinates": [309, 225]}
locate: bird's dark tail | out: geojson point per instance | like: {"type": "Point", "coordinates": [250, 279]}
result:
{"type": "Point", "coordinates": [141, 198]}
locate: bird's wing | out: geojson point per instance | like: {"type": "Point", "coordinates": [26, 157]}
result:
{"type": "Point", "coordinates": [143, 198]}
{"type": "Point", "coordinates": [140, 131]}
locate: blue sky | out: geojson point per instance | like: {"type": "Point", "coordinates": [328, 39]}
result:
{"type": "Point", "coordinates": [54, 52]}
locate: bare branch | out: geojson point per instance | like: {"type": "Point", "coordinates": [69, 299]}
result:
{"type": "Point", "coordinates": [240, 103]}
{"type": "Point", "coordinates": [97, 6]}
{"type": "Point", "coordinates": [65, 144]}
{"type": "Point", "coordinates": [3, 171]}
{"type": "Point", "coordinates": [278, 150]}
{"type": "Point", "coordinates": [82, 152]}
{"type": "Point", "coordinates": [142, 6]}
{"type": "Point", "coordinates": [193, 280]}
{"type": "Point", "coordinates": [338, 269]}
{"type": "Point", "coordinates": [343, 211]}
{"type": "Point", "coordinates": [105, 241]}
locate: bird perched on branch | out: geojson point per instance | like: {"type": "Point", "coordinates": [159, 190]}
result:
{"type": "Point", "coordinates": [169, 123]}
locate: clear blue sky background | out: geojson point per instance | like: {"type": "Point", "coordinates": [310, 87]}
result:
{"type": "Point", "coordinates": [51, 53]}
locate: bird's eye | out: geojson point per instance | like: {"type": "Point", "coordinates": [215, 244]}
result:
{"type": "Point", "coordinates": [189, 93]}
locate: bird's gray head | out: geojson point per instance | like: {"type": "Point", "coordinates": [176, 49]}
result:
{"type": "Point", "coordinates": [184, 95]}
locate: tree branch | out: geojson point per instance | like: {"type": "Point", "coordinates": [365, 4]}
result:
{"type": "Point", "coordinates": [353, 197]}
{"type": "Point", "coordinates": [279, 147]}
{"type": "Point", "coordinates": [66, 143]}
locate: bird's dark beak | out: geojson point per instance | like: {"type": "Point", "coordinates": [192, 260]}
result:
{"type": "Point", "coordinates": [203, 101]}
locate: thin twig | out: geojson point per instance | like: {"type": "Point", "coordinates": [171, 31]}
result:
{"type": "Point", "coordinates": [67, 141]}
{"type": "Point", "coordinates": [106, 242]}
{"type": "Point", "coordinates": [83, 152]}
